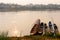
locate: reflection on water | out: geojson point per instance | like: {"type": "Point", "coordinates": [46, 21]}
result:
{"type": "Point", "coordinates": [20, 23]}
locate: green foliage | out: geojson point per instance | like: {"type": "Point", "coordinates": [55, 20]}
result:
{"type": "Point", "coordinates": [3, 36]}
{"type": "Point", "coordinates": [44, 37]}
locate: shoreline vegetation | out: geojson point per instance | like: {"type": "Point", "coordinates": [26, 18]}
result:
{"type": "Point", "coordinates": [31, 7]}
{"type": "Point", "coordinates": [4, 36]}
{"type": "Point", "coordinates": [36, 37]}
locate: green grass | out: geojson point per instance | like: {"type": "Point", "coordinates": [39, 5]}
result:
{"type": "Point", "coordinates": [35, 37]}
{"type": "Point", "coordinates": [45, 37]}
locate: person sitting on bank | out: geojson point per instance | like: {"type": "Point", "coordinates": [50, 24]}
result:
{"type": "Point", "coordinates": [45, 29]}
{"type": "Point", "coordinates": [56, 29]}
{"type": "Point", "coordinates": [40, 29]}
{"type": "Point", "coordinates": [51, 27]}
{"type": "Point", "coordinates": [34, 30]}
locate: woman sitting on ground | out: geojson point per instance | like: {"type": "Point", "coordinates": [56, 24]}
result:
{"type": "Point", "coordinates": [34, 30]}
{"type": "Point", "coordinates": [56, 29]}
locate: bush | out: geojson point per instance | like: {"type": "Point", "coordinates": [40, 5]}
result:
{"type": "Point", "coordinates": [3, 36]}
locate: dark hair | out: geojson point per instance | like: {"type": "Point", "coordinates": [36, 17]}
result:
{"type": "Point", "coordinates": [45, 24]}
{"type": "Point", "coordinates": [55, 26]}
{"type": "Point", "coordinates": [42, 24]}
{"type": "Point", "coordinates": [49, 22]}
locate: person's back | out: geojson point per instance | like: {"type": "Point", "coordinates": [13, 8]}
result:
{"type": "Point", "coordinates": [56, 29]}
{"type": "Point", "coordinates": [51, 27]}
{"type": "Point", "coordinates": [45, 28]}
{"type": "Point", "coordinates": [40, 29]}
{"type": "Point", "coordinates": [34, 30]}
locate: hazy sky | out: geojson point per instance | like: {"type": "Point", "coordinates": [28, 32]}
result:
{"type": "Point", "coordinates": [23, 2]}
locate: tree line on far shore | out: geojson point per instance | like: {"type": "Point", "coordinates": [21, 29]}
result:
{"type": "Point", "coordinates": [32, 7]}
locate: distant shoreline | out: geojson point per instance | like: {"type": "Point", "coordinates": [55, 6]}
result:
{"type": "Point", "coordinates": [29, 7]}
{"type": "Point", "coordinates": [25, 10]}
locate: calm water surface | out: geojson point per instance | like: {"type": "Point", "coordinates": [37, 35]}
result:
{"type": "Point", "coordinates": [20, 23]}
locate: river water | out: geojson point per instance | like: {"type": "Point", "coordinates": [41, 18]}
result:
{"type": "Point", "coordinates": [20, 23]}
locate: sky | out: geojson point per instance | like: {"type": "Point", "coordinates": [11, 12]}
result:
{"type": "Point", "coordinates": [24, 2]}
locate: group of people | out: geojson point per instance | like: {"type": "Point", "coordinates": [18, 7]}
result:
{"type": "Point", "coordinates": [41, 28]}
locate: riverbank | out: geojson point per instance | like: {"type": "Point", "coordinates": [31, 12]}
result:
{"type": "Point", "coordinates": [37, 37]}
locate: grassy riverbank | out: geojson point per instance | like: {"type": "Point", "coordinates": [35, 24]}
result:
{"type": "Point", "coordinates": [43, 37]}
{"type": "Point", "coordinates": [37, 37]}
